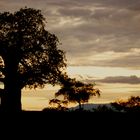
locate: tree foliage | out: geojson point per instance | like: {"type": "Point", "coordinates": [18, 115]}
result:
{"type": "Point", "coordinates": [31, 49]}
{"type": "Point", "coordinates": [58, 103]}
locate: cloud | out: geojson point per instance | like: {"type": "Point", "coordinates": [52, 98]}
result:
{"type": "Point", "coordinates": [121, 79]}
{"type": "Point", "coordinates": [113, 79]}
{"type": "Point", "coordinates": [75, 12]}
{"type": "Point", "coordinates": [88, 29]}
{"type": "Point", "coordinates": [130, 61]}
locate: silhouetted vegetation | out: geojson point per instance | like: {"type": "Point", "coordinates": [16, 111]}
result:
{"type": "Point", "coordinates": [55, 109]}
{"type": "Point", "coordinates": [58, 103]}
{"type": "Point", "coordinates": [75, 91]}
{"type": "Point", "coordinates": [29, 56]}
{"type": "Point", "coordinates": [130, 105]}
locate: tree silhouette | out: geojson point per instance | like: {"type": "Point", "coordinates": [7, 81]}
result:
{"type": "Point", "coordinates": [131, 105]}
{"type": "Point", "coordinates": [29, 56]}
{"type": "Point", "coordinates": [76, 91]}
{"type": "Point", "coordinates": [59, 104]}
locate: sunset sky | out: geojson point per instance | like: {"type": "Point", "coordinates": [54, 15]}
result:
{"type": "Point", "coordinates": [101, 39]}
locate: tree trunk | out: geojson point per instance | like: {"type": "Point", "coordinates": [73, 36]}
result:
{"type": "Point", "coordinates": [80, 106]}
{"type": "Point", "coordinates": [11, 99]}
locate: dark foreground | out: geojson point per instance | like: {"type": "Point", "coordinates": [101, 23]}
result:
{"type": "Point", "coordinates": [75, 115]}
{"type": "Point", "coordinates": [67, 125]}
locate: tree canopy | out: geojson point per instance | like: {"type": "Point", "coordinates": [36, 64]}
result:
{"type": "Point", "coordinates": [76, 91]}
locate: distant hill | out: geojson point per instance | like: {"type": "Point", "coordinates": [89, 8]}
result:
{"type": "Point", "coordinates": [90, 106]}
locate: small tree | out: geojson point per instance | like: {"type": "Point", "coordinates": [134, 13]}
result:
{"type": "Point", "coordinates": [29, 56]}
{"type": "Point", "coordinates": [76, 91]}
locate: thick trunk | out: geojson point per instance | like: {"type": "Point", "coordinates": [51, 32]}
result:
{"type": "Point", "coordinates": [11, 99]}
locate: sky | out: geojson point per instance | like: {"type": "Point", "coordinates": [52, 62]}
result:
{"type": "Point", "coordinates": [100, 38]}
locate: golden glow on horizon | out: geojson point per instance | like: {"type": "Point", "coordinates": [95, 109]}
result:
{"type": "Point", "coordinates": [32, 100]}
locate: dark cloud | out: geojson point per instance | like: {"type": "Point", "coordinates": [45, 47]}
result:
{"type": "Point", "coordinates": [121, 79]}
{"type": "Point", "coordinates": [114, 79]}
